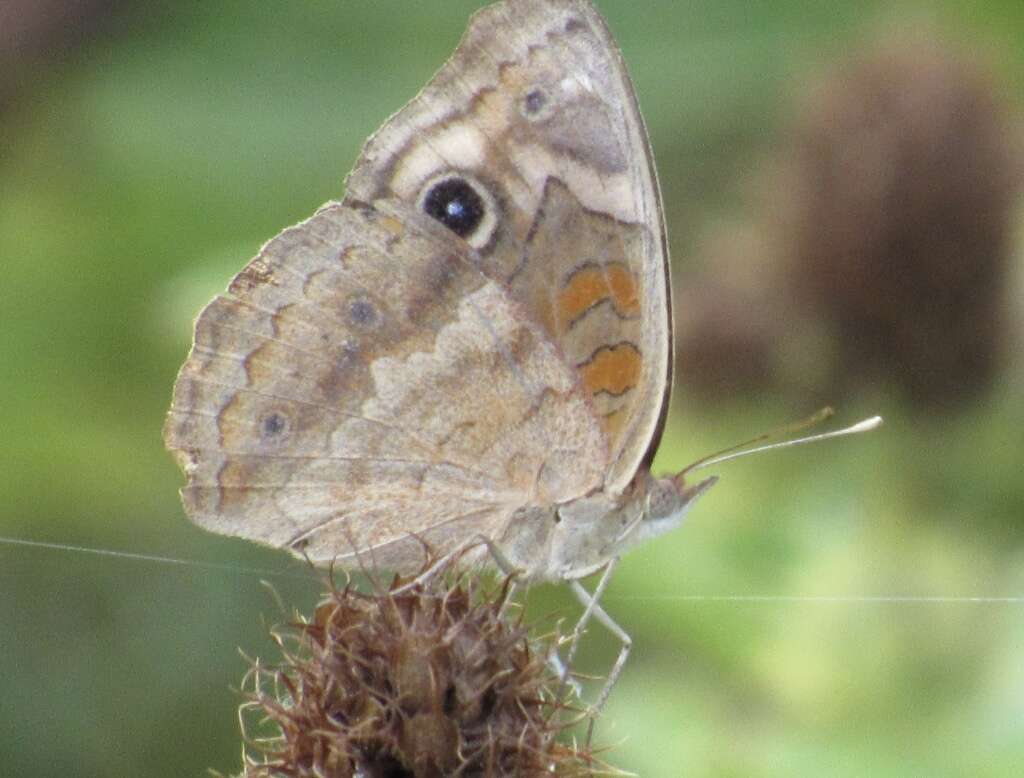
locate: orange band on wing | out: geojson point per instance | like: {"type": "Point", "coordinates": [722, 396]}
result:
{"type": "Point", "coordinates": [613, 369]}
{"type": "Point", "coordinates": [590, 285]}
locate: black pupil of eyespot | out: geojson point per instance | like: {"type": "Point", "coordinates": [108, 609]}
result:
{"type": "Point", "coordinates": [362, 312]}
{"type": "Point", "coordinates": [455, 204]}
{"type": "Point", "coordinates": [273, 424]}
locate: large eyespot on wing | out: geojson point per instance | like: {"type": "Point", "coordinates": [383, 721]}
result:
{"type": "Point", "coordinates": [363, 387]}
{"type": "Point", "coordinates": [463, 204]}
{"type": "Point", "coordinates": [533, 126]}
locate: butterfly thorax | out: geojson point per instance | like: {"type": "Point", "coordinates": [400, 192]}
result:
{"type": "Point", "coordinates": [579, 537]}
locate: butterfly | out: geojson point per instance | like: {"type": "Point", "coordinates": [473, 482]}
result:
{"type": "Point", "coordinates": [472, 349]}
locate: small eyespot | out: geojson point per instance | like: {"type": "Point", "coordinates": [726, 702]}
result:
{"type": "Point", "coordinates": [534, 102]}
{"type": "Point", "coordinates": [463, 205]}
{"type": "Point", "coordinates": [362, 313]}
{"type": "Point", "coordinates": [574, 24]}
{"type": "Point", "coordinates": [273, 426]}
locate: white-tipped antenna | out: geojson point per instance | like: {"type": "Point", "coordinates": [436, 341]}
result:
{"type": "Point", "coordinates": [862, 426]}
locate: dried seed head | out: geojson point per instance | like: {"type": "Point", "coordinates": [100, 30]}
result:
{"type": "Point", "coordinates": [427, 679]}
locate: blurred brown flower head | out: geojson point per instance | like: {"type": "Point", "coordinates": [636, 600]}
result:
{"type": "Point", "coordinates": [897, 197]}
{"type": "Point", "coordinates": [877, 248]}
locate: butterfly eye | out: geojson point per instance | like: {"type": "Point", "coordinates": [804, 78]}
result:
{"type": "Point", "coordinates": [463, 205]}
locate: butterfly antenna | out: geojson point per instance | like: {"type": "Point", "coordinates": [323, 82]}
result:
{"type": "Point", "coordinates": [751, 447]}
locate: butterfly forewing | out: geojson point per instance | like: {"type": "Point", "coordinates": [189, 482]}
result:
{"type": "Point", "coordinates": [529, 144]}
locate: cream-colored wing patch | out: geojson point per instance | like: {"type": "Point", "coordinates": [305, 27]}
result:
{"type": "Point", "coordinates": [362, 386]}
{"type": "Point", "coordinates": [531, 127]}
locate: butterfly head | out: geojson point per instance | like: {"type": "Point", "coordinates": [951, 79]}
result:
{"type": "Point", "coordinates": [591, 531]}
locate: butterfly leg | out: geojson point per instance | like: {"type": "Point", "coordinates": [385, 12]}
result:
{"type": "Point", "coordinates": [500, 557]}
{"type": "Point", "coordinates": [441, 562]}
{"type": "Point", "coordinates": [589, 602]}
{"type": "Point", "coordinates": [558, 667]}
{"type": "Point", "coordinates": [426, 575]}
{"type": "Point", "coordinates": [593, 609]}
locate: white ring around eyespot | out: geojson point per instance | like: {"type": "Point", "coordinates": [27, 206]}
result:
{"type": "Point", "coordinates": [484, 231]}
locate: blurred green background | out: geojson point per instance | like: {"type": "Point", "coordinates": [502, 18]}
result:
{"type": "Point", "coordinates": [146, 152]}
